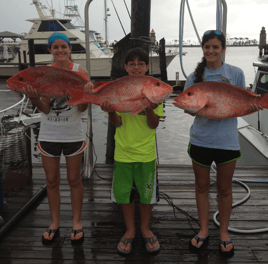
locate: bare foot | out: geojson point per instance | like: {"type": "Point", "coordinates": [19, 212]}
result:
{"type": "Point", "coordinates": [127, 235]}
{"type": "Point", "coordinates": [149, 234]}
{"type": "Point", "coordinates": [46, 234]}
{"type": "Point", "coordinates": [201, 234]}
{"type": "Point", "coordinates": [78, 235]}
{"type": "Point", "coordinates": [225, 237]}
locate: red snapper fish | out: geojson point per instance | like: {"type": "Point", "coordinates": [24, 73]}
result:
{"type": "Point", "coordinates": [48, 81]}
{"type": "Point", "coordinates": [219, 100]}
{"type": "Point", "coordinates": [127, 94]}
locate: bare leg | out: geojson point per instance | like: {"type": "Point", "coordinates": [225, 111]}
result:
{"type": "Point", "coordinates": [145, 211]}
{"type": "Point", "coordinates": [202, 184]}
{"type": "Point", "coordinates": [77, 191]}
{"type": "Point", "coordinates": [52, 170]}
{"type": "Point", "coordinates": [225, 174]}
{"type": "Point", "coordinates": [129, 216]}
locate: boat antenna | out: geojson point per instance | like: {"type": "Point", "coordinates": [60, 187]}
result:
{"type": "Point", "coordinates": [71, 11]}
{"type": "Point", "coordinates": [119, 18]}
{"type": "Point", "coordinates": [39, 7]}
{"type": "Point", "coordinates": [127, 9]}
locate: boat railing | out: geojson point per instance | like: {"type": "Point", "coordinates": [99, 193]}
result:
{"type": "Point", "coordinates": [248, 126]}
{"type": "Point", "coordinates": [3, 112]}
{"type": "Point", "coordinates": [260, 132]}
{"type": "Point", "coordinates": [24, 104]}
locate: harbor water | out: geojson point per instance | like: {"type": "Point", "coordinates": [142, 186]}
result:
{"type": "Point", "coordinates": [172, 134]}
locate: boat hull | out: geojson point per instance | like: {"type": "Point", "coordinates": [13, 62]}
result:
{"type": "Point", "coordinates": [253, 144]}
{"type": "Point", "coordinates": [99, 67]}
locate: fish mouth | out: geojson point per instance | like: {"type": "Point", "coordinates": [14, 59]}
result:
{"type": "Point", "coordinates": [179, 104]}
{"type": "Point", "coordinates": [167, 96]}
{"type": "Point", "coordinates": [10, 86]}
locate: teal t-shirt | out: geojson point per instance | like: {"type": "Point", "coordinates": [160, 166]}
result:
{"type": "Point", "coordinates": [134, 139]}
{"type": "Point", "coordinates": [211, 133]}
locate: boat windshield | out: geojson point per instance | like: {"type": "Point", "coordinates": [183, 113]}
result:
{"type": "Point", "coordinates": [55, 25]}
{"type": "Point", "coordinates": [51, 25]}
{"type": "Point", "coordinates": [67, 24]}
{"type": "Point", "coordinates": [262, 83]}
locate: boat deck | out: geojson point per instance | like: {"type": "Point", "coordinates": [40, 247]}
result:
{"type": "Point", "coordinates": [103, 222]}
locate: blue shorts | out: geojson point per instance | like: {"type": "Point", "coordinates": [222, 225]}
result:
{"type": "Point", "coordinates": [205, 156]}
{"type": "Point", "coordinates": [54, 149]}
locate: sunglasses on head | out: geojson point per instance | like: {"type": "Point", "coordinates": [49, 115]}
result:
{"type": "Point", "coordinates": [213, 31]}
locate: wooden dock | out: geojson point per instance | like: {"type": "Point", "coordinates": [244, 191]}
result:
{"type": "Point", "coordinates": [103, 222]}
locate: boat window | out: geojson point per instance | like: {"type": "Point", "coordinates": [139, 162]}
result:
{"type": "Point", "coordinates": [67, 24]}
{"type": "Point", "coordinates": [77, 48]}
{"type": "Point", "coordinates": [42, 49]}
{"type": "Point", "coordinates": [92, 35]}
{"type": "Point", "coordinates": [51, 25]}
{"type": "Point", "coordinates": [262, 84]}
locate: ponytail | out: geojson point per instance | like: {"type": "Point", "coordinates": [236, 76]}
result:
{"type": "Point", "coordinates": [199, 71]}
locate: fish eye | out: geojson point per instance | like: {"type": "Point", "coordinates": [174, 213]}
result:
{"type": "Point", "coordinates": [189, 93]}
{"type": "Point", "coordinates": [21, 79]}
{"type": "Point", "coordinates": [158, 84]}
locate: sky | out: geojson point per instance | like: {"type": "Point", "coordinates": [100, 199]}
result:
{"type": "Point", "coordinates": [245, 18]}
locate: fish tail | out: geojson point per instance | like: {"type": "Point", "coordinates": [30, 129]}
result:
{"type": "Point", "coordinates": [265, 100]}
{"type": "Point", "coordinates": [77, 96]}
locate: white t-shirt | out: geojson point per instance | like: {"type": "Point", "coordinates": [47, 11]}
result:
{"type": "Point", "coordinates": [63, 123]}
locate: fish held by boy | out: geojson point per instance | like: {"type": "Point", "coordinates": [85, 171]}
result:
{"type": "Point", "coordinates": [48, 81]}
{"type": "Point", "coordinates": [218, 100]}
{"type": "Point", "coordinates": [127, 94]}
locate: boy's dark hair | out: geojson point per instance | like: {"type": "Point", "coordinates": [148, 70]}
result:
{"type": "Point", "coordinates": [137, 53]}
{"type": "Point", "coordinates": [199, 70]}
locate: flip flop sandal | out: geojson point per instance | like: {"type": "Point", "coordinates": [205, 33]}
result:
{"type": "Point", "coordinates": [198, 239]}
{"type": "Point", "coordinates": [226, 254]}
{"type": "Point", "coordinates": [151, 240]}
{"type": "Point", "coordinates": [50, 231]}
{"type": "Point", "coordinates": [77, 241]}
{"type": "Point", "coordinates": [125, 241]}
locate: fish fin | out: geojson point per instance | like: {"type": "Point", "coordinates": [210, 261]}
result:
{"type": "Point", "coordinates": [77, 96]}
{"type": "Point", "coordinates": [202, 101]}
{"type": "Point", "coordinates": [99, 85]}
{"type": "Point", "coordinates": [82, 75]}
{"type": "Point", "coordinates": [250, 92]}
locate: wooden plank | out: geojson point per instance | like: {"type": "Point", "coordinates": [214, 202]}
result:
{"type": "Point", "coordinates": [103, 222]}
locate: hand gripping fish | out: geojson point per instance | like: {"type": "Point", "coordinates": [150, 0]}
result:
{"type": "Point", "coordinates": [219, 100]}
{"type": "Point", "coordinates": [48, 81]}
{"type": "Point", "coordinates": [127, 94]}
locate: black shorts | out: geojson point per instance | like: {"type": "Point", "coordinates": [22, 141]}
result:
{"type": "Point", "coordinates": [205, 156]}
{"type": "Point", "coordinates": [54, 149]}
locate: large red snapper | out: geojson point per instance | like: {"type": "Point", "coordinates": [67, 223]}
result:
{"type": "Point", "coordinates": [219, 100]}
{"type": "Point", "coordinates": [127, 94]}
{"type": "Point", "coordinates": [48, 81]}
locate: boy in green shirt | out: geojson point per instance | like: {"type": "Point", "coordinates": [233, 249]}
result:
{"type": "Point", "coordinates": [135, 159]}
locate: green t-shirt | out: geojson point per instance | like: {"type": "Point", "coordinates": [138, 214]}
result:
{"type": "Point", "coordinates": [134, 139]}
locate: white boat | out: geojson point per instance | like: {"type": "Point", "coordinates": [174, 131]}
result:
{"type": "Point", "coordinates": [44, 26]}
{"type": "Point", "coordinates": [253, 129]}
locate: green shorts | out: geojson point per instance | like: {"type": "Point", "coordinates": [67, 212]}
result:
{"type": "Point", "coordinates": [141, 175]}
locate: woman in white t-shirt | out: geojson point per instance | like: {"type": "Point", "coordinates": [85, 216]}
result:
{"type": "Point", "coordinates": [61, 132]}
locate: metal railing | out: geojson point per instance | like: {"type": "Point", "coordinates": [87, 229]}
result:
{"type": "Point", "coordinates": [89, 166]}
